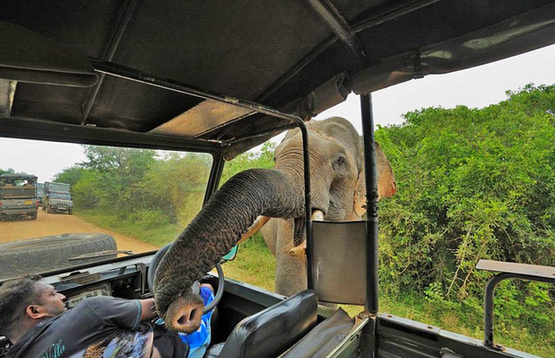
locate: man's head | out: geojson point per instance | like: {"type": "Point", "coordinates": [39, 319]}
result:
{"type": "Point", "coordinates": [25, 302]}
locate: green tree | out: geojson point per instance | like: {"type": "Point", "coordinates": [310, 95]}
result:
{"type": "Point", "coordinates": [87, 190]}
{"type": "Point", "coordinates": [176, 184]}
{"type": "Point", "coordinates": [262, 159]}
{"type": "Point", "coordinates": [120, 171]}
{"type": "Point", "coordinates": [70, 175]}
{"type": "Point", "coordinates": [472, 184]}
{"type": "Point", "coordinates": [8, 171]}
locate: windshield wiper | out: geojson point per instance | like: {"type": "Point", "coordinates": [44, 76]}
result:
{"type": "Point", "coordinates": [101, 253]}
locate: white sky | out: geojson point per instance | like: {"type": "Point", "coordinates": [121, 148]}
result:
{"type": "Point", "coordinates": [476, 88]}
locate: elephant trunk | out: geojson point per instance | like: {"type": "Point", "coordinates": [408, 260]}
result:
{"type": "Point", "coordinates": [213, 232]}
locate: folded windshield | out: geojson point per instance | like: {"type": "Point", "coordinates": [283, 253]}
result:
{"type": "Point", "coordinates": [62, 196]}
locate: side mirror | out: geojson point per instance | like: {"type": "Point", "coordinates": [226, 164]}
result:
{"type": "Point", "coordinates": [231, 254]}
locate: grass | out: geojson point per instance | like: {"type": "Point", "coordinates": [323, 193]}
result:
{"type": "Point", "coordinates": [255, 265]}
{"type": "Point", "coordinates": [155, 235]}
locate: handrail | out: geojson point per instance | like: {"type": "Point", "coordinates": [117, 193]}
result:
{"type": "Point", "coordinates": [508, 270]}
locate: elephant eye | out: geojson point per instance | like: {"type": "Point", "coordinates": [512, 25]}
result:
{"type": "Point", "coordinates": [341, 160]}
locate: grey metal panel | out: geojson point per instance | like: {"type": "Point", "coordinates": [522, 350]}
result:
{"type": "Point", "coordinates": [339, 261]}
{"type": "Point", "coordinates": [207, 115]}
{"type": "Point", "coordinates": [517, 268]}
{"type": "Point", "coordinates": [400, 337]}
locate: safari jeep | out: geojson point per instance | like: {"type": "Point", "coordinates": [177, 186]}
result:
{"type": "Point", "coordinates": [221, 78]}
{"type": "Point", "coordinates": [18, 196]}
{"type": "Point", "coordinates": [57, 198]}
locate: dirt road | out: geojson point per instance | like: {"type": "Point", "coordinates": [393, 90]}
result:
{"type": "Point", "coordinates": [55, 224]}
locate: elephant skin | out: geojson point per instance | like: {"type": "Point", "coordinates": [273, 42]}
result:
{"type": "Point", "coordinates": [336, 168]}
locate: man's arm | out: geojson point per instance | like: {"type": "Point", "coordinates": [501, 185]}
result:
{"type": "Point", "coordinates": [148, 309]}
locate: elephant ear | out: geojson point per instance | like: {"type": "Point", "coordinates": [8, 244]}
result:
{"type": "Point", "coordinates": [386, 182]}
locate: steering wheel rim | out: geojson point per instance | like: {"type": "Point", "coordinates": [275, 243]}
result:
{"type": "Point", "coordinates": [156, 261]}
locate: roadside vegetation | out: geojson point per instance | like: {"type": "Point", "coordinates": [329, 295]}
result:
{"type": "Point", "coordinates": [471, 184]}
{"type": "Point", "coordinates": [474, 184]}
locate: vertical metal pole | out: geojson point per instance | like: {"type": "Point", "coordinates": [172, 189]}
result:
{"type": "Point", "coordinates": [371, 204]}
{"type": "Point", "coordinates": [488, 301]}
{"type": "Point", "coordinates": [488, 307]}
{"type": "Point", "coordinates": [307, 206]}
{"type": "Point", "coordinates": [215, 176]}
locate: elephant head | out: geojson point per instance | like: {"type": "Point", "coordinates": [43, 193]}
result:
{"type": "Point", "coordinates": [336, 166]}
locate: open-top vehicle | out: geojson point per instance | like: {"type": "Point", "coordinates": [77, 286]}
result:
{"type": "Point", "coordinates": [57, 197]}
{"type": "Point", "coordinates": [221, 78]}
{"type": "Point", "coordinates": [18, 196]}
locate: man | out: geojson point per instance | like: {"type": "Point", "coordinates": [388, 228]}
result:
{"type": "Point", "coordinates": [35, 320]}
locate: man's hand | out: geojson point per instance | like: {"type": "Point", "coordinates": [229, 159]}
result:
{"type": "Point", "coordinates": [148, 309]}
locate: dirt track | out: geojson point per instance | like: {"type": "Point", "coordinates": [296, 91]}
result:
{"type": "Point", "coordinates": [55, 224]}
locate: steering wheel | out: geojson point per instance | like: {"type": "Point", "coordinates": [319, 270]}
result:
{"type": "Point", "coordinates": [196, 286]}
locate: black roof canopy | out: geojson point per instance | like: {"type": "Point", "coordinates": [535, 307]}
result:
{"type": "Point", "coordinates": [190, 73]}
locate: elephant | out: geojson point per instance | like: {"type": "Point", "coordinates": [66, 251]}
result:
{"type": "Point", "coordinates": [337, 187]}
{"type": "Point", "coordinates": [338, 191]}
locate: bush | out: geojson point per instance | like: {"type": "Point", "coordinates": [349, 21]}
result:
{"type": "Point", "coordinates": [472, 184]}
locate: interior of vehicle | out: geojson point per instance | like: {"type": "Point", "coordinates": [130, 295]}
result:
{"type": "Point", "coordinates": [220, 79]}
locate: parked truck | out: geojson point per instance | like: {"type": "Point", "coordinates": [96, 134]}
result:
{"type": "Point", "coordinates": [57, 197]}
{"type": "Point", "coordinates": [18, 196]}
{"type": "Point", "coordinates": [40, 190]}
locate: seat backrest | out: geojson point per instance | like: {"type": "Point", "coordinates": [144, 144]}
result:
{"type": "Point", "coordinates": [323, 339]}
{"type": "Point", "coordinates": [270, 332]}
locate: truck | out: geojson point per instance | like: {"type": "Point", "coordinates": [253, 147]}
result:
{"type": "Point", "coordinates": [222, 78]}
{"type": "Point", "coordinates": [40, 191]}
{"type": "Point", "coordinates": [57, 198]}
{"type": "Point", "coordinates": [18, 196]}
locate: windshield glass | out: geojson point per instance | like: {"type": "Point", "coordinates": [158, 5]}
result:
{"type": "Point", "coordinates": [62, 196]}
{"type": "Point", "coordinates": [141, 198]}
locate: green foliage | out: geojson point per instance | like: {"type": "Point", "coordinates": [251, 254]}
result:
{"type": "Point", "coordinates": [87, 190]}
{"type": "Point", "coordinates": [147, 194]}
{"type": "Point", "coordinates": [262, 159]}
{"type": "Point", "coordinates": [70, 175]}
{"type": "Point", "coordinates": [8, 171]}
{"type": "Point", "coordinates": [139, 191]}
{"type": "Point", "coordinates": [147, 226]}
{"type": "Point", "coordinates": [176, 184]}
{"type": "Point", "coordinates": [119, 170]}
{"type": "Point", "coordinates": [473, 184]}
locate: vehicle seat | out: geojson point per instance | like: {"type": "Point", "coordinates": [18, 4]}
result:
{"type": "Point", "coordinates": [270, 332]}
{"type": "Point", "coordinates": [323, 339]}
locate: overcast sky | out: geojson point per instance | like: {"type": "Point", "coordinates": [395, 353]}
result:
{"type": "Point", "coordinates": [476, 88]}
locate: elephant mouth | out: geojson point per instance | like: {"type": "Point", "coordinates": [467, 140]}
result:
{"type": "Point", "coordinates": [299, 240]}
